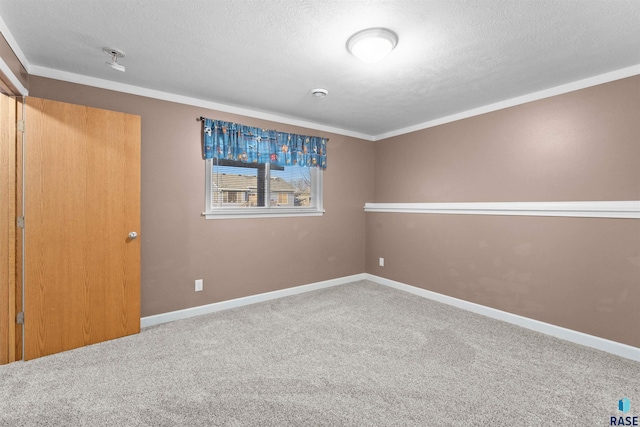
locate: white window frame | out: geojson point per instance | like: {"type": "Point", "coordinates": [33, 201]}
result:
{"type": "Point", "coordinates": [267, 211]}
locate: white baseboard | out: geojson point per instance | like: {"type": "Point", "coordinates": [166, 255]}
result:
{"type": "Point", "coordinates": [576, 337]}
{"type": "Point", "coordinates": [619, 349]}
{"type": "Point", "coordinates": [239, 302]}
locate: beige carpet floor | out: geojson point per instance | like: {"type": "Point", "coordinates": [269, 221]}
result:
{"type": "Point", "coordinates": [359, 354]}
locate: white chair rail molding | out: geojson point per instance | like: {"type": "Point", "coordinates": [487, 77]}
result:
{"type": "Point", "coordinates": [582, 209]}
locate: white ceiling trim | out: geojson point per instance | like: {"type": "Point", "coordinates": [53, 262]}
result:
{"type": "Point", "coordinates": [165, 96]}
{"type": "Point", "coordinates": [4, 68]}
{"type": "Point", "coordinates": [13, 44]}
{"type": "Point", "coordinates": [172, 97]}
{"type": "Point", "coordinates": [535, 96]}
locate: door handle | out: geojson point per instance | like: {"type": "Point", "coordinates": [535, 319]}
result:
{"type": "Point", "coordinates": [133, 235]}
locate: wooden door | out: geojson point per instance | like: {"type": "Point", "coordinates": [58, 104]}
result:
{"type": "Point", "coordinates": [7, 228]}
{"type": "Point", "coordinates": [82, 199]}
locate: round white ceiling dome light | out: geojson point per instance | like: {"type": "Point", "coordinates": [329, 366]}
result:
{"type": "Point", "coordinates": [372, 44]}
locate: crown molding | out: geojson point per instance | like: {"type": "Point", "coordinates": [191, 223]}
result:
{"type": "Point", "coordinates": [512, 102]}
{"type": "Point", "coordinates": [4, 67]}
{"type": "Point", "coordinates": [180, 99]}
{"type": "Point", "coordinates": [13, 44]}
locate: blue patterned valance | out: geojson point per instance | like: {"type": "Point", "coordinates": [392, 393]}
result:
{"type": "Point", "coordinates": [232, 141]}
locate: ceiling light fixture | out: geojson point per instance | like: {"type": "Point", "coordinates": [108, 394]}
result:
{"type": "Point", "coordinates": [114, 54]}
{"type": "Point", "coordinates": [319, 93]}
{"type": "Point", "coordinates": [372, 44]}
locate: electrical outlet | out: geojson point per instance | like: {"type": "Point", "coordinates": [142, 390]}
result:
{"type": "Point", "coordinates": [381, 262]}
{"type": "Point", "coordinates": [198, 285]}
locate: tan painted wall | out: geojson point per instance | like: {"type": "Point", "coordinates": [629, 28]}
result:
{"type": "Point", "coordinates": [579, 273]}
{"type": "Point", "coordinates": [582, 145]}
{"type": "Point", "coordinates": [238, 257]}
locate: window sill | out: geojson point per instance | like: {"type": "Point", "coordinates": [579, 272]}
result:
{"type": "Point", "coordinates": [265, 213]}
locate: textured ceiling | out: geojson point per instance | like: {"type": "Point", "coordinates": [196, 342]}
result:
{"type": "Point", "coordinates": [266, 56]}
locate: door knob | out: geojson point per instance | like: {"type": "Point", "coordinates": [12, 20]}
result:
{"type": "Point", "coordinates": [133, 235]}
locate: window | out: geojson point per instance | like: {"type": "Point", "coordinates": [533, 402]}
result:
{"type": "Point", "coordinates": [237, 189]}
{"type": "Point", "coordinates": [257, 172]}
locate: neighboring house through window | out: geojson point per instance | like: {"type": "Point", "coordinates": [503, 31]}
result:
{"type": "Point", "coordinates": [237, 189]}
